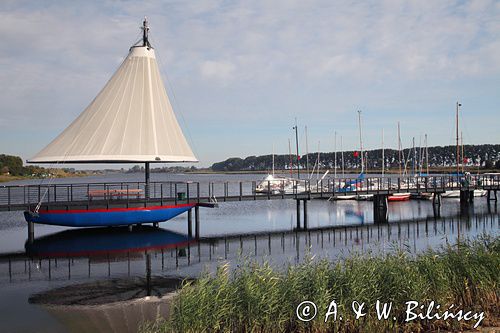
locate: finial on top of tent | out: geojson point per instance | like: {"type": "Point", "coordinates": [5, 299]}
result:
{"type": "Point", "coordinates": [145, 32]}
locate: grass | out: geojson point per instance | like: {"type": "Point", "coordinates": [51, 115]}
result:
{"type": "Point", "coordinates": [259, 298]}
{"type": "Point", "coordinates": [7, 178]}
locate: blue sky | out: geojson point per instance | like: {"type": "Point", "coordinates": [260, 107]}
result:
{"type": "Point", "coordinates": [239, 72]}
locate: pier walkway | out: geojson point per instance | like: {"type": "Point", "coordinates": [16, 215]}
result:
{"type": "Point", "coordinates": [135, 194]}
{"type": "Point", "coordinates": [85, 196]}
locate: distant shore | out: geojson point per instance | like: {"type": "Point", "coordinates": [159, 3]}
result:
{"type": "Point", "coordinates": [62, 174]}
{"type": "Point", "coordinates": [446, 170]}
{"type": "Point", "coordinates": [432, 171]}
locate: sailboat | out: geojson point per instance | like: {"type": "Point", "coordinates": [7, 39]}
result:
{"type": "Point", "coordinates": [273, 184]}
{"type": "Point", "coordinates": [399, 196]}
{"type": "Point", "coordinates": [131, 120]}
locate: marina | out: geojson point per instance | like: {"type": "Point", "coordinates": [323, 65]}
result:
{"type": "Point", "coordinates": [73, 204]}
{"type": "Point", "coordinates": [252, 243]}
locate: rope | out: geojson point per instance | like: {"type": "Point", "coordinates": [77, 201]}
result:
{"type": "Point", "coordinates": [178, 108]}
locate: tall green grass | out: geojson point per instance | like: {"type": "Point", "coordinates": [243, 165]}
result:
{"type": "Point", "coordinates": [259, 298]}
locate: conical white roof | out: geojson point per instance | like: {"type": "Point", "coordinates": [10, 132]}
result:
{"type": "Point", "coordinates": [130, 120]}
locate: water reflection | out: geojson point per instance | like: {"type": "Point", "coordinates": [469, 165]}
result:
{"type": "Point", "coordinates": [145, 251]}
{"type": "Point", "coordinates": [71, 272]}
{"type": "Point", "coordinates": [96, 242]}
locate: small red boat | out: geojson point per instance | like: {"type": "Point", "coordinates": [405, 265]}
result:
{"type": "Point", "coordinates": [399, 197]}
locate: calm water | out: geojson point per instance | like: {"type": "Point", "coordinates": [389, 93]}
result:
{"type": "Point", "coordinates": [99, 266]}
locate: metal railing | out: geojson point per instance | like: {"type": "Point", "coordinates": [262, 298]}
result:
{"type": "Point", "coordinates": [175, 192]}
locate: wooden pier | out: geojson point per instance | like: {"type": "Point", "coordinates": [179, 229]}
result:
{"type": "Point", "coordinates": [140, 194]}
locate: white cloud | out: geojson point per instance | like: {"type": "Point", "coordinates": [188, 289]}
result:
{"type": "Point", "coordinates": [222, 70]}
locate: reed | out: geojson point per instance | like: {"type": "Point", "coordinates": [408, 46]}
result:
{"type": "Point", "coordinates": [259, 298]}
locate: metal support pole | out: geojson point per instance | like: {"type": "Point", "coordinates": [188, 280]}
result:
{"type": "Point", "coordinates": [146, 194]}
{"type": "Point", "coordinates": [190, 224]}
{"type": "Point", "coordinates": [197, 222]}
{"type": "Point", "coordinates": [148, 274]}
{"type": "Point", "coordinates": [298, 214]}
{"type": "Point", "coordinates": [31, 232]}
{"type": "Point", "coordinates": [305, 214]}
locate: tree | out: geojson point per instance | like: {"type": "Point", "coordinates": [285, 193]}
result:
{"type": "Point", "coordinates": [13, 163]}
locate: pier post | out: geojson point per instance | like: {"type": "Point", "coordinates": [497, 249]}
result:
{"type": "Point", "coordinates": [436, 209]}
{"type": "Point", "coordinates": [436, 200]}
{"type": "Point", "coordinates": [190, 223]}
{"type": "Point", "coordinates": [305, 214]}
{"type": "Point", "coordinates": [379, 208]}
{"type": "Point", "coordinates": [298, 214]}
{"type": "Point", "coordinates": [489, 196]}
{"type": "Point", "coordinates": [466, 197]}
{"type": "Point", "coordinates": [197, 222]}
{"type": "Point", "coordinates": [31, 232]}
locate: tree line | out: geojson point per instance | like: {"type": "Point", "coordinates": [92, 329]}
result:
{"type": "Point", "coordinates": [486, 156]}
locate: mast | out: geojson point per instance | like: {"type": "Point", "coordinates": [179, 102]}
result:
{"type": "Point", "coordinates": [383, 155]}
{"type": "Point", "coordinates": [419, 161]}
{"type": "Point", "coordinates": [290, 155]}
{"type": "Point", "coordinates": [342, 157]}
{"type": "Point", "coordinates": [335, 155]}
{"type": "Point", "coordinates": [297, 145]}
{"type": "Point", "coordinates": [273, 159]}
{"type": "Point", "coordinates": [399, 148]}
{"type": "Point", "coordinates": [317, 171]}
{"type": "Point", "coordinates": [458, 149]}
{"type": "Point", "coordinates": [360, 141]}
{"type": "Point", "coordinates": [366, 162]}
{"type": "Point", "coordinates": [426, 155]}
{"type": "Point", "coordinates": [414, 159]}
{"type": "Point", "coordinates": [462, 145]}
{"type": "Point", "coordinates": [307, 154]}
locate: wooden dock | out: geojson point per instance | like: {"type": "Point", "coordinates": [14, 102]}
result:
{"type": "Point", "coordinates": [140, 194]}
{"type": "Point", "coordinates": [135, 194]}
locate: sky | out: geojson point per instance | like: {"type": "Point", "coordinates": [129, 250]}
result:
{"type": "Point", "coordinates": [238, 73]}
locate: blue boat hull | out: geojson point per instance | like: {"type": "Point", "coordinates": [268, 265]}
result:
{"type": "Point", "coordinates": [107, 217]}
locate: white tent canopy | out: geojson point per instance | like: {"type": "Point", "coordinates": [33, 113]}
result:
{"type": "Point", "coordinates": [130, 120]}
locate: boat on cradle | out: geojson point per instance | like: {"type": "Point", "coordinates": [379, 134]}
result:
{"type": "Point", "coordinates": [107, 217]}
{"type": "Point", "coordinates": [130, 121]}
